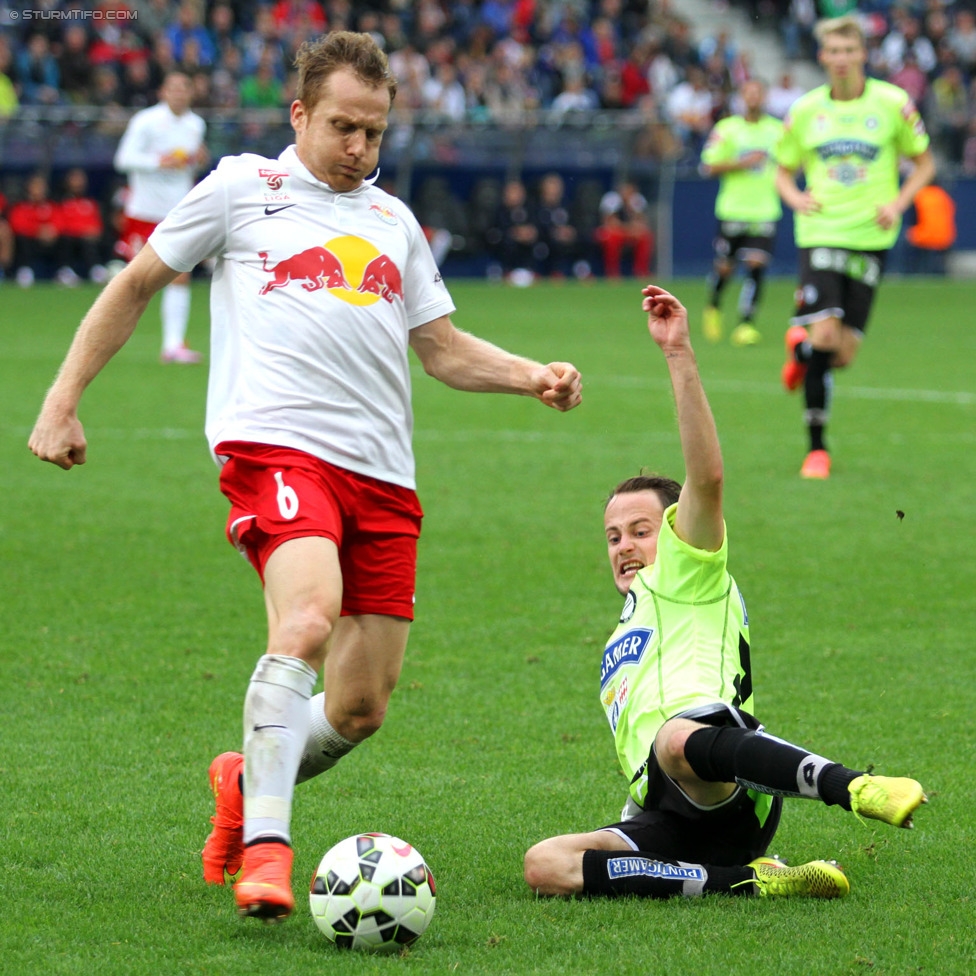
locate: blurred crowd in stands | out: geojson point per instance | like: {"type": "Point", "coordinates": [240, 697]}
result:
{"type": "Point", "coordinates": [478, 60]}
{"type": "Point", "coordinates": [486, 61]}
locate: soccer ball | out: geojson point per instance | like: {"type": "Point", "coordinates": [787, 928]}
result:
{"type": "Point", "coordinates": [373, 892]}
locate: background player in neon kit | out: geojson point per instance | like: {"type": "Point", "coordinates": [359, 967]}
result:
{"type": "Point", "coordinates": [161, 151]}
{"type": "Point", "coordinates": [739, 152]}
{"type": "Point", "coordinates": [345, 94]}
{"type": "Point", "coordinates": [677, 688]}
{"type": "Point", "coordinates": [847, 136]}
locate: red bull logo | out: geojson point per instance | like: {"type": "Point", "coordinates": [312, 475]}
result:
{"type": "Point", "coordinates": [384, 213]}
{"type": "Point", "coordinates": [315, 268]}
{"type": "Point", "coordinates": [382, 277]}
{"type": "Point", "coordinates": [350, 268]}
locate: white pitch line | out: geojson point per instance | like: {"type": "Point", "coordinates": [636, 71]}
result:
{"type": "Point", "coordinates": [958, 397]}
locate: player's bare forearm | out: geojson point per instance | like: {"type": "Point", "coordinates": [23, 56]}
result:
{"type": "Point", "coordinates": [699, 518]}
{"type": "Point", "coordinates": [465, 362]}
{"type": "Point", "coordinates": [795, 198]}
{"type": "Point", "coordinates": [921, 175]}
{"type": "Point", "coordinates": [58, 436]}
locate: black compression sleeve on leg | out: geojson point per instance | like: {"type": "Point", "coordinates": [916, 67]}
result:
{"type": "Point", "coordinates": [814, 384]}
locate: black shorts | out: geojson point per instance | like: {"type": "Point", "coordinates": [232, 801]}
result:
{"type": "Point", "coordinates": [839, 283]}
{"type": "Point", "coordinates": [737, 240]}
{"type": "Point", "coordinates": [673, 828]}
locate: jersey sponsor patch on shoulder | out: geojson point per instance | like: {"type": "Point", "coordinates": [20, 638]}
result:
{"type": "Point", "coordinates": [628, 649]}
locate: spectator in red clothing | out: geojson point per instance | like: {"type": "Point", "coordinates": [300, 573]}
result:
{"type": "Point", "coordinates": [299, 18]}
{"type": "Point", "coordinates": [35, 222]}
{"type": "Point", "coordinates": [624, 227]}
{"type": "Point", "coordinates": [633, 75]}
{"type": "Point", "coordinates": [82, 232]}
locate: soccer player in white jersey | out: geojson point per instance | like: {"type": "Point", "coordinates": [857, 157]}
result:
{"type": "Point", "coordinates": [322, 281]}
{"type": "Point", "coordinates": [161, 151]}
{"type": "Point", "coordinates": [706, 782]}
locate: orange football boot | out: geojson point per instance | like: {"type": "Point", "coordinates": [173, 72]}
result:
{"type": "Point", "coordinates": [264, 887]}
{"type": "Point", "coordinates": [816, 465]}
{"type": "Point", "coordinates": [223, 852]}
{"type": "Point", "coordinates": [793, 372]}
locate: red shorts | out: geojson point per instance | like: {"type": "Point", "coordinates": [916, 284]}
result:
{"type": "Point", "coordinates": [135, 233]}
{"type": "Point", "coordinates": [277, 494]}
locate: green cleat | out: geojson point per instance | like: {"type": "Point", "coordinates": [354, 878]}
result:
{"type": "Point", "coordinates": [816, 879]}
{"type": "Point", "coordinates": [890, 799]}
{"type": "Point", "coordinates": [712, 324]}
{"type": "Point", "coordinates": [745, 334]}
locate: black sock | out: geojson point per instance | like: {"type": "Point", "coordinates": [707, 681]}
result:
{"type": "Point", "coordinates": [766, 764]}
{"type": "Point", "coordinates": [833, 784]}
{"type": "Point", "coordinates": [751, 290]}
{"type": "Point", "coordinates": [817, 386]}
{"type": "Point", "coordinates": [716, 283]}
{"type": "Point", "coordinates": [613, 874]}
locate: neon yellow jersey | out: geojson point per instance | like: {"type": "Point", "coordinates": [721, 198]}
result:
{"type": "Point", "coordinates": [849, 153]}
{"type": "Point", "coordinates": [682, 642]}
{"type": "Point", "coordinates": [745, 195]}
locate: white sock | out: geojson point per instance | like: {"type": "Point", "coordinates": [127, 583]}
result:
{"type": "Point", "coordinates": [276, 721]}
{"type": "Point", "coordinates": [325, 747]}
{"type": "Point", "coordinates": [176, 316]}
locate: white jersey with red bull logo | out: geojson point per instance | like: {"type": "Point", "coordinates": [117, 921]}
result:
{"type": "Point", "coordinates": [313, 298]}
{"type": "Point", "coordinates": [150, 135]}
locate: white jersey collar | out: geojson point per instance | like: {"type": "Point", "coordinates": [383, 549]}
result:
{"type": "Point", "coordinates": [289, 159]}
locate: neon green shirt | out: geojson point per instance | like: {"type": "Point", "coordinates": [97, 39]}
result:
{"type": "Point", "coordinates": [849, 153]}
{"type": "Point", "coordinates": [745, 195]}
{"type": "Point", "coordinates": [682, 642]}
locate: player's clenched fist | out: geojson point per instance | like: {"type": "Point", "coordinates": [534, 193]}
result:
{"type": "Point", "coordinates": [62, 442]}
{"type": "Point", "coordinates": [559, 385]}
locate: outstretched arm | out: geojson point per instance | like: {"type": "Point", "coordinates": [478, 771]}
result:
{"type": "Point", "coordinates": [699, 518]}
{"type": "Point", "coordinates": [465, 362]}
{"type": "Point", "coordinates": [58, 435]}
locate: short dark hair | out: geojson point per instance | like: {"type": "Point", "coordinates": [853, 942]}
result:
{"type": "Point", "coordinates": [318, 59]}
{"type": "Point", "coordinates": [667, 489]}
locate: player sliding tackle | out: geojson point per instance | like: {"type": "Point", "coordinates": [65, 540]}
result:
{"type": "Point", "coordinates": [707, 781]}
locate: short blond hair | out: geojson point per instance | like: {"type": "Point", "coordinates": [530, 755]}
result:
{"type": "Point", "coordinates": [318, 59]}
{"type": "Point", "coordinates": [847, 26]}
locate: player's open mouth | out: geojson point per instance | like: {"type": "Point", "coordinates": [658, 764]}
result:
{"type": "Point", "coordinates": [631, 567]}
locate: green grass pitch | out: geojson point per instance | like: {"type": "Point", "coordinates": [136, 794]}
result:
{"type": "Point", "coordinates": [130, 628]}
